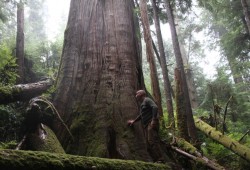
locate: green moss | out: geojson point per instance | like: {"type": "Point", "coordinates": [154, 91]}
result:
{"type": "Point", "coordinates": [81, 118]}
{"type": "Point", "coordinates": [29, 160]}
{"type": "Point", "coordinates": [8, 145]}
{"type": "Point", "coordinates": [226, 141]}
{"type": "Point", "coordinates": [5, 91]}
{"type": "Point", "coordinates": [93, 142]}
{"type": "Point", "coordinates": [8, 93]}
{"type": "Point", "coordinates": [78, 123]}
{"type": "Point", "coordinates": [97, 148]}
{"type": "Point", "coordinates": [49, 144]}
{"type": "Point", "coordinates": [186, 146]}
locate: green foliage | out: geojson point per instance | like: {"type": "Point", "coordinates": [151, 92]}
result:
{"type": "Point", "coordinates": [6, 10]}
{"type": "Point", "coordinates": [184, 5]}
{"type": "Point", "coordinates": [7, 66]}
{"type": "Point", "coordinates": [42, 52]}
{"type": "Point", "coordinates": [10, 123]}
{"type": "Point", "coordinates": [220, 90]}
{"type": "Point", "coordinates": [228, 24]}
{"type": "Point", "coordinates": [224, 156]}
{"type": "Point", "coordinates": [215, 150]}
{"type": "Point", "coordinates": [8, 145]}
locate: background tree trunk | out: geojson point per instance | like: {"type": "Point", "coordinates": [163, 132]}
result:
{"type": "Point", "coordinates": [180, 106]}
{"type": "Point", "coordinates": [167, 84]}
{"type": "Point", "coordinates": [150, 55]}
{"type": "Point", "coordinates": [179, 63]}
{"type": "Point", "coordinates": [189, 78]}
{"type": "Point", "coordinates": [246, 13]}
{"type": "Point", "coordinates": [20, 42]}
{"type": "Point", "coordinates": [100, 72]}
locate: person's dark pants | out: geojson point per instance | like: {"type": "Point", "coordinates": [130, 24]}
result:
{"type": "Point", "coordinates": [153, 142]}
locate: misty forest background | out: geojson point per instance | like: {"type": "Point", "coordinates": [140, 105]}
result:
{"type": "Point", "coordinates": [208, 31]}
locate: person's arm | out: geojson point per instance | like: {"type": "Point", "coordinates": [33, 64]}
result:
{"type": "Point", "coordinates": [137, 118]}
{"type": "Point", "coordinates": [131, 122]}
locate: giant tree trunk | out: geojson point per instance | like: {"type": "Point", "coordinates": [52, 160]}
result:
{"type": "Point", "coordinates": [167, 84]}
{"type": "Point", "coordinates": [179, 63]}
{"type": "Point", "coordinates": [20, 42]}
{"type": "Point", "coordinates": [100, 72]}
{"type": "Point", "coordinates": [150, 55]}
{"type": "Point", "coordinates": [229, 143]}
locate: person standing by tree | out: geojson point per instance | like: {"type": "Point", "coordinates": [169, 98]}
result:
{"type": "Point", "coordinates": [149, 116]}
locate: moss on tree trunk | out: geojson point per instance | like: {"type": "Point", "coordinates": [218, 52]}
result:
{"type": "Point", "coordinates": [181, 107]}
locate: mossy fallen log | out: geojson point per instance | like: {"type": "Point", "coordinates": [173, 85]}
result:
{"type": "Point", "coordinates": [229, 143]}
{"type": "Point", "coordinates": [200, 160]}
{"type": "Point", "coordinates": [186, 146]}
{"type": "Point", "coordinates": [30, 160]}
{"type": "Point", "coordinates": [188, 150]}
{"type": "Point", "coordinates": [23, 92]}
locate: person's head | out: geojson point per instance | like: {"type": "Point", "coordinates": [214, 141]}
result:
{"type": "Point", "coordinates": [140, 95]}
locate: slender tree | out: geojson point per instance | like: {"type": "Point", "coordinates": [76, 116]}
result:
{"type": "Point", "coordinates": [162, 57]}
{"type": "Point", "coordinates": [100, 72]}
{"type": "Point", "coordinates": [20, 42]}
{"type": "Point", "coordinates": [179, 63]}
{"type": "Point", "coordinates": [189, 78]}
{"type": "Point", "coordinates": [180, 108]}
{"type": "Point", "coordinates": [150, 55]}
